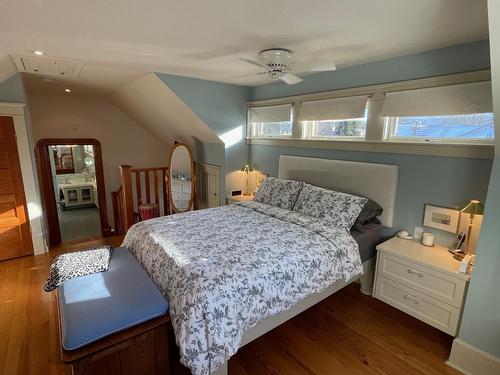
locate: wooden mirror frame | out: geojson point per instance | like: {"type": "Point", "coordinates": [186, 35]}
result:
{"type": "Point", "coordinates": [47, 186]}
{"type": "Point", "coordinates": [192, 200]}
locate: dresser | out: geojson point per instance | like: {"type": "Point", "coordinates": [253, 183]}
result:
{"type": "Point", "coordinates": [181, 193]}
{"type": "Point", "coordinates": [424, 282]}
{"type": "Point", "coordinates": [76, 195]}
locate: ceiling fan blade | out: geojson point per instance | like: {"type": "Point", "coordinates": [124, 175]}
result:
{"type": "Point", "coordinates": [291, 79]}
{"type": "Point", "coordinates": [315, 67]}
{"type": "Point", "coordinates": [247, 75]}
{"type": "Point", "coordinates": [252, 62]}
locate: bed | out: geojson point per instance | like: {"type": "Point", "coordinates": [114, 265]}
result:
{"type": "Point", "coordinates": [233, 273]}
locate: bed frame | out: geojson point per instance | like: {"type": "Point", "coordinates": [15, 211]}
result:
{"type": "Point", "coordinates": [376, 181]}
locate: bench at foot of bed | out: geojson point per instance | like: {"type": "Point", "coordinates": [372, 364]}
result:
{"type": "Point", "coordinates": [115, 322]}
{"type": "Point", "coordinates": [142, 349]}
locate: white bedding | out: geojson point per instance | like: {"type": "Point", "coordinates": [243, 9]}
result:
{"type": "Point", "coordinates": [225, 269]}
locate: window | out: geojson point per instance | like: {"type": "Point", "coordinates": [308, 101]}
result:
{"type": "Point", "coordinates": [454, 109]}
{"type": "Point", "coordinates": [331, 118]}
{"type": "Point", "coordinates": [454, 113]}
{"type": "Point", "coordinates": [355, 127]}
{"type": "Point", "coordinates": [476, 126]}
{"type": "Point", "coordinates": [268, 129]}
{"type": "Point", "coordinates": [270, 121]}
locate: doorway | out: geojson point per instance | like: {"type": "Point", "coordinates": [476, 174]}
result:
{"type": "Point", "coordinates": [72, 184]}
{"type": "Point", "coordinates": [15, 234]}
{"type": "Point", "coordinates": [208, 186]}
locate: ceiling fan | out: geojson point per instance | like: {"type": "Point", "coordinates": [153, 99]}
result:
{"type": "Point", "coordinates": [277, 64]}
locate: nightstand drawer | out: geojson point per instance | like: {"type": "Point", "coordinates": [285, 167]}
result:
{"type": "Point", "coordinates": [431, 311]}
{"type": "Point", "coordinates": [429, 281]}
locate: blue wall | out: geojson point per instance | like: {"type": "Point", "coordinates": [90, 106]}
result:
{"type": "Point", "coordinates": [480, 323]}
{"type": "Point", "coordinates": [423, 179]}
{"type": "Point", "coordinates": [12, 89]}
{"type": "Point", "coordinates": [222, 107]}
{"type": "Point", "coordinates": [456, 59]}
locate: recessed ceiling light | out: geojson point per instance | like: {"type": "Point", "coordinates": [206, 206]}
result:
{"type": "Point", "coordinates": [67, 90]}
{"type": "Point", "coordinates": [38, 53]}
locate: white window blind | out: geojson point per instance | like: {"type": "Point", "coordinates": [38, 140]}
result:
{"type": "Point", "coordinates": [333, 109]}
{"type": "Point", "coordinates": [469, 98]}
{"type": "Point", "coordinates": [277, 113]}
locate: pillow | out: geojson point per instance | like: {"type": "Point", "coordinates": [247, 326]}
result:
{"type": "Point", "coordinates": [361, 228]}
{"type": "Point", "coordinates": [336, 208]}
{"type": "Point", "coordinates": [81, 263]}
{"type": "Point", "coordinates": [279, 193]}
{"type": "Point", "coordinates": [369, 212]}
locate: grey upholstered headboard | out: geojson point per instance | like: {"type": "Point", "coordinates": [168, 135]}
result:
{"type": "Point", "coordinates": [378, 182]}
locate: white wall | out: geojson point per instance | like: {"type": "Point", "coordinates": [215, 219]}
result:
{"type": "Point", "coordinates": [153, 105]}
{"type": "Point", "coordinates": [123, 141]}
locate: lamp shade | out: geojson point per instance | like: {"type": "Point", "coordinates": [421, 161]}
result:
{"type": "Point", "coordinates": [473, 207]}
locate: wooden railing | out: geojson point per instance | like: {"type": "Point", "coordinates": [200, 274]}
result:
{"type": "Point", "coordinates": [138, 186]}
{"type": "Point", "coordinates": [117, 200]}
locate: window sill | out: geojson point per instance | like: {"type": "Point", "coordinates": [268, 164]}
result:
{"type": "Point", "coordinates": [461, 150]}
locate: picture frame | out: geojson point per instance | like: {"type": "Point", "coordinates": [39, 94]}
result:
{"type": "Point", "coordinates": [442, 218]}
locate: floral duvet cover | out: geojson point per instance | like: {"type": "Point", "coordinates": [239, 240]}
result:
{"type": "Point", "coordinates": [226, 269]}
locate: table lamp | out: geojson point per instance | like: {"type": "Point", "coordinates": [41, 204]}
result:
{"type": "Point", "coordinates": [473, 207]}
{"type": "Point", "coordinates": [247, 169]}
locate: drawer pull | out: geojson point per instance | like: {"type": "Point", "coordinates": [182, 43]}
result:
{"type": "Point", "coordinates": [412, 272]}
{"type": "Point", "coordinates": [407, 297]}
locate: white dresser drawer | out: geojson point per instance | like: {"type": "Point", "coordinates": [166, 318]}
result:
{"type": "Point", "coordinates": [429, 310]}
{"type": "Point", "coordinates": [429, 281]}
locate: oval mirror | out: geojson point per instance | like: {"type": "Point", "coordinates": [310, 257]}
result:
{"type": "Point", "coordinates": [181, 179]}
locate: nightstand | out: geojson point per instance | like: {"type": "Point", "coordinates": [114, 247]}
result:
{"type": "Point", "coordinates": [239, 198]}
{"type": "Point", "coordinates": [424, 282]}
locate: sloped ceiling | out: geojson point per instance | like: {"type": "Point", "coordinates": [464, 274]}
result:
{"type": "Point", "coordinates": [150, 103]}
{"type": "Point", "coordinates": [120, 40]}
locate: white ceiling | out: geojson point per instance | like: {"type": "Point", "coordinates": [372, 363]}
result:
{"type": "Point", "coordinates": [121, 40]}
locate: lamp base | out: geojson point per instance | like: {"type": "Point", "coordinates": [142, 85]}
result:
{"type": "Point", "coordinates": [247, 194]}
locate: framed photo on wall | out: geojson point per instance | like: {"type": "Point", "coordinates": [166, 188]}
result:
{"type": "Point", "coordinates": [442, 218]}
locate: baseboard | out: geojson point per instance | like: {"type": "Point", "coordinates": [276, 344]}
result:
{"type": "Point", "coordinates": [471, 360]}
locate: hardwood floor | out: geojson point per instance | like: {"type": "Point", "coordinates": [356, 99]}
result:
{"type": "Point", "coordinates": [28, 322]}
{"type": "Point", "coordinates": [348, 333]}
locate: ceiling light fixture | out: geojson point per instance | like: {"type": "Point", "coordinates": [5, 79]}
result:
{"type": "Point", "coordinates": [38, 53]}
{"type": "Point", "coordinates": [67, 90]}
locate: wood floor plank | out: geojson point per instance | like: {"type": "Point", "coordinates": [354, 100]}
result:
{"type": "Point", "coordinates": [359, 349]}
{"type": "Point", "coordinates": [348, 333]}
{"type": "Point", "coordinates": [8, 277]}
{"type": "Point", "coordinates": [405, 336]}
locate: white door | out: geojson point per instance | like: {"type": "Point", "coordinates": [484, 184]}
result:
{"type": "Point", "coordinates": [208, 186]}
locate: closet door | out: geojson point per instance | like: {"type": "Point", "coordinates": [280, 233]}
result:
{"type": "Point", "coordinates": [208, 186]}
{"type": "Point", "coordinates": [15, 235]}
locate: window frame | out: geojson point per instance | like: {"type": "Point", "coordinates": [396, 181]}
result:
{"type": "Point", "coordinates": [308, 128]}
{"type": "Point", "coordinates": [261, 135]}
{"type": "Point", "coordinates": [253, 134]}
{"type": "Point", "coordinates": [377, 138]}
{"type": "Point", "coordinates": [390, 124]}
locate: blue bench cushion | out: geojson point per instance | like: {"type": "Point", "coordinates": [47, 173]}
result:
{"type": "Point", "coordinates": [95, 306]}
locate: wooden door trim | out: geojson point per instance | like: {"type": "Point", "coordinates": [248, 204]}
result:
{"type": "Point", "coordinates": [47, 186]}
